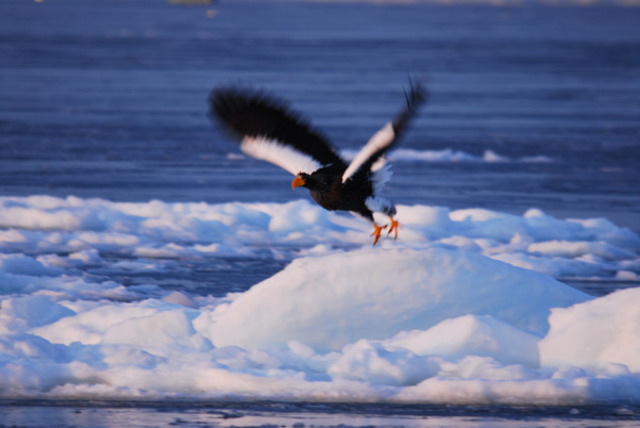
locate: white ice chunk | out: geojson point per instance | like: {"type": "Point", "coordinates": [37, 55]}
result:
{"type": "Point", "coordinates": [472, 335]}
{"type": "Point", "coordinates": [331, 301]}
{"type": "Point", "coordinates": [595, 334]}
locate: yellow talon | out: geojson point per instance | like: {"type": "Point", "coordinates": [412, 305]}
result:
{"type": "Point", "coordinates": [376, 232]}
{"type": "Point", "coordinates": [393, 228]}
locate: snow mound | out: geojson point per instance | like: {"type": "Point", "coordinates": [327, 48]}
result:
{"type": "Point", "coordinates": [398, 325]}
{"type": "Point", "coordinates": [482, 335]}
{"type": "Point", "coordinates": [328, 302]}
{"type": "Point", "coordinates": [613, 326]}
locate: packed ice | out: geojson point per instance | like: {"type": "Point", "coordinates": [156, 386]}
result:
{"type": "Point", "coordinates": [466, 306]}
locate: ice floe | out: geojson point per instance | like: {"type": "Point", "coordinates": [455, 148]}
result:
{"type": "Point", "coordinates": [462, 308]}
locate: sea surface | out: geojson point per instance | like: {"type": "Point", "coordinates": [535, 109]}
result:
{"type": "Point", "coordinates": [530, 106]}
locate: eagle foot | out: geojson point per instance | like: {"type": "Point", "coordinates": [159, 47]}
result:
{"type": "Point", "coordinates": [393, 228]}
{"type": "Point", "coordinates": [377, 230]}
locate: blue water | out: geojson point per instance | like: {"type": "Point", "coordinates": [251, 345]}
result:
{"type": "Point", "coordinates": [108, 99]}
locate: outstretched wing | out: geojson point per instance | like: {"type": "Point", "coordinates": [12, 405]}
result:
{"type": "Point", "coordinates": [269, 132]}
{"type": "Point", "coordinates": [387, 136]}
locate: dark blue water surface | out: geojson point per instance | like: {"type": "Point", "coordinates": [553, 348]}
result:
{"type": "Point", "coordinates": [108, 99]}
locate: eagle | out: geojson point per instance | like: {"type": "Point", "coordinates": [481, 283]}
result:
{"type": "Point", "coordinates": [267, 129]}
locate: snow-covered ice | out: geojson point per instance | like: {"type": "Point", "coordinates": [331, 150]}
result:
{"type": "Point", "coordinates": [465, 307]}
{"type": "Point", "coordinates": [377, 293]}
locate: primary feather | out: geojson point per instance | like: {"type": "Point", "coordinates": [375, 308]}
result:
{"type": "Point", "coordinates": [271, 132]}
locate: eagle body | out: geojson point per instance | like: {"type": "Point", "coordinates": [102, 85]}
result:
{"type": "Point", "coordinates": [328, 190]}
{"type": "Point", "coordinates": [268, 130]}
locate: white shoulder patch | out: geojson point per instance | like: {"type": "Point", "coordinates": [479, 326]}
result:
{"type": "Point", "coordinates": [379, 140]}
{"type": "Point", "coordinates": [279, 154]}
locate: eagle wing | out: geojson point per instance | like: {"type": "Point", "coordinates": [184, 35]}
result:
{"type": "Point", "coordinates": [268, 131]}
{"type": "Point", "coordinates": [387, 136]}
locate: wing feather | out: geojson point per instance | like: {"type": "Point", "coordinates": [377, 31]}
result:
{"type": "Point", "coordinates": [279, 154]}
{"type": "Point", "coordinates": [380, 141]}
{"type": "Point", "coordinates": [267, 130]}
{"type": "Point", "coordinates": [387, 136]}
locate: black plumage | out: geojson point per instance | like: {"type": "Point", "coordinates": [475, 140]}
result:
{"type": "Point", "coordinates": [255, 114]}
{"type": "Point", "coordinates": [268, 130]}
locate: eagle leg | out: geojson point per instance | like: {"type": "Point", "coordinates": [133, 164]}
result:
{"type": "Point", "coordinates": [376, 232]}
{"type": "Point", "coordinates": [393, 228]}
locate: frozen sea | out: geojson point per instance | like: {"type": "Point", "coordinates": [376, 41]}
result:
{"type": "Point", "coordinates": [152, 275]}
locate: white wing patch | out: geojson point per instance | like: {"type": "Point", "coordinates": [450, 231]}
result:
{"type": "Point", "coordinates": [279, 154]}
{"type": "Point", "coordinates": [379, 140]}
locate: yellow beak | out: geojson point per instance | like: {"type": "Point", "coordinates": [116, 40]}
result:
{"type": "Point", "coordinates": [298, 181]}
